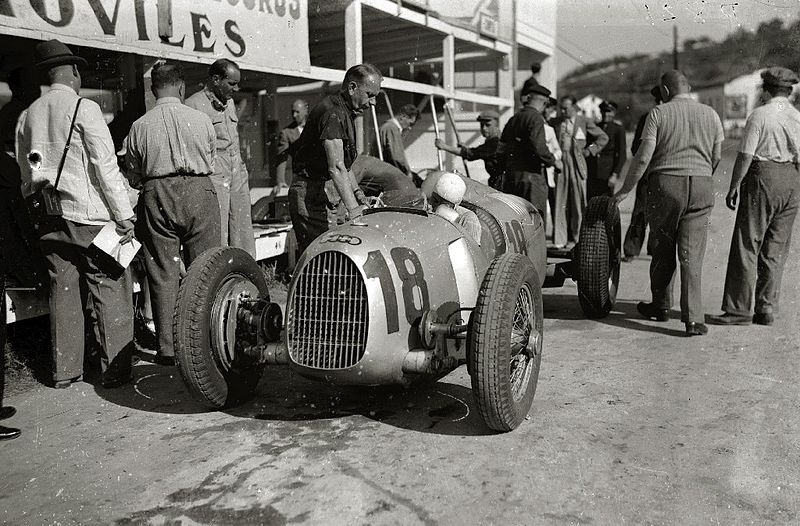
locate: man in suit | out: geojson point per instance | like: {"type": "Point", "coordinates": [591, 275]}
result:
{"type": "Point", "coordinates": [289, 135]}
{"type": "Point", "coordinates": [573, 131]}
{"type": "Point", "coordinates": [604, 169]}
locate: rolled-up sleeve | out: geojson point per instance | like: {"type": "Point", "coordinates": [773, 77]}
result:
{"type": "Point", "coordinates": [100, 149]}
{"type": "Point", "coordinates": [752, 134]}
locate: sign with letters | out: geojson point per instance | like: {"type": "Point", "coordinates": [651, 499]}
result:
{"type": "Point", "coordinates": [260, 35]}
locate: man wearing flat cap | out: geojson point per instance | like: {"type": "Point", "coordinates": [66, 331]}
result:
{"type": "Point", "coordinates": [487, 152]}
{"type": "Point", "coordinates": [766, 187]}
{"type": "Point", "coordinates": [604, 168]}
{"type": "Point", "coordinates": [574, 132]}
{"type": "Point", "coordinates": [91, 191]}
{"type": "Point", "coordinates": [525, 148]}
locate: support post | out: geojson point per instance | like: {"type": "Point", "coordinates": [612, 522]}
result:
{"type": "Point", "coordinates": [354, 55]}
{"type": "Point", "coordinates": [448, 81]}
{"type": "Point", "coordinates": [505, 86]}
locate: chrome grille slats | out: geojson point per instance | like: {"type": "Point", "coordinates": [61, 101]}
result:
{"type": "Point", "coordinates": [329, 313]}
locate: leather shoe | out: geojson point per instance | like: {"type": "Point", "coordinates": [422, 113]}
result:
{"type": "Point", "coordinates": [696, 329]}
{"type": "Point", "coordinates": [649, 311]}
{"type": "Point", "coordinates": [63, 384]}
{"type": "Point", "coordinates": [7, 412]}
{"type": "Point", "coordinates": [8, 433]}
{"type": "Point", "coordinates": [763, 318]}
{"type": "Point", "coordinates": [730, 319]}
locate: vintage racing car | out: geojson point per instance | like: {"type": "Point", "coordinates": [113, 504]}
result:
{"type": "Point", "coordinates": [397, 295]}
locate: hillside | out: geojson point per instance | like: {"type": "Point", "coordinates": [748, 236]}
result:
{"type": "Point", "coordinates": [627, 80]}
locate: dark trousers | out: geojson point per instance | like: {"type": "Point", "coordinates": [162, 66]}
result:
{"type": "Point", "coordinates": [528, 185]}
{"type": "Point", "coordinates": [77, 274]}
{"type": "Point", "coordinates": [677, 210]}
{"type": "Point", "coordinates": [597, 187]}
{"type": "Point", "coordinates": [174, 212]}
{"type": "Point", "coordinates": [310, 211]}
{"type": "Point", "coordinates": [637, 230]}
{"type": "Point", "coordinates": [768, 202]}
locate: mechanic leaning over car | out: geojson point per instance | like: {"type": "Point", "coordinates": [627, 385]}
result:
{"type": "Point", "coordinates": [324, 155]}
{"type": "Point", "coordinates": [524, 145]}
{"type": "Point", "coordinates": [446, 202]}
{"type": "Point", "coordinates": [172, 149]}
{"type": "Point", "coordinates": [230, 174]}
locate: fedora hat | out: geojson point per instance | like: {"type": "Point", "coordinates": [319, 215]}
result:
{"type": "Point", "coordinates": [55, 53]}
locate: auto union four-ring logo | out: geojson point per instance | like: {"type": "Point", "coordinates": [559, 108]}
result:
{"type": "Point", "coordinates": [343, 238]}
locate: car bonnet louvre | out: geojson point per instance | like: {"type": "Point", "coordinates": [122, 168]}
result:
{"type": "Point", "coordinates": [328, 314]}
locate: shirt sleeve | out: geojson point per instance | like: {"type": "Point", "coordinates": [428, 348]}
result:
{"type": "Point", "coordinates": [100, 149]}
{"type": "Point", "coordinates": [650, 128]}
{"type": "Point", "coordinates": [133, 159]}
{"type": "Point", "coordinates": [331, 127]}
{"type": "Point", "coordinates": [483, 152]}
{"type": "Point", "coordinates": [283, 147]}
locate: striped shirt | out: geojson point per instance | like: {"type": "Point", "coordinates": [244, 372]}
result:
{"type": "Point", "coordinates": [688, 137]}
{"type": "Point", "coordinates": [772, 132]}
{"type": "Point", "coordinates": [170, 139]}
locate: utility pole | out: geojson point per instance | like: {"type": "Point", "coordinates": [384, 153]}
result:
{"type": "Point", "coordinates": [674, 46]}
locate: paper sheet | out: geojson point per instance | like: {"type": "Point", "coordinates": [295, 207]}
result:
{"type": "Point", "coordinates": [108, 241]}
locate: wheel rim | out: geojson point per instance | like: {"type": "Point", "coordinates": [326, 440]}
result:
{"type": "Point", "coordinates": [526, 341]}
{"type": "Point", "coordinates": [615, 258]}
{"type": "Point", "coordinates": [224, 336]}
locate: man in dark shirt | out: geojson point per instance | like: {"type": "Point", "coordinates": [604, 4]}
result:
{"type": "Point", "coordinates": [523, 142]}
{"type": "Point", "coordinates": [325, 153]}
{"type": "Point", "coordinates": [604, 168]}
{"type": "Point", "coordinates": [488, 151]}
{"type": "Point", "coordinates": [634, 236]}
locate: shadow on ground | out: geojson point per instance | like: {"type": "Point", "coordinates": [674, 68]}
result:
{"type": "Point", "coordinates": [624, 315]}
{"type": "Point", "coordinates": [437, 407]}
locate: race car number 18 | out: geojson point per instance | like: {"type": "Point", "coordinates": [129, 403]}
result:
{"type": "Point", "coordinates": [414, 286]}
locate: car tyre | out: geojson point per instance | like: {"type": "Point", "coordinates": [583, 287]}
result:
{"type": "Point", "coordinates": [599, 256]}
{"type": "Point", "coordinates": [504, 344]}
{"type": "Point", "coordinates": [259, 212]}
{"type": "Point", "coordinates": [206, 335]}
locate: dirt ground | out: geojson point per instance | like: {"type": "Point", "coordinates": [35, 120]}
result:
{"type": "Point", "coordinates": [632, 423]}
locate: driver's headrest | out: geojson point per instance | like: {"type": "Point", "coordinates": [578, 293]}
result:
{"type": "Point", "coordinates": [450, 187]}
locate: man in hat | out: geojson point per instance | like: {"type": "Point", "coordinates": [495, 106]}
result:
{"type": "Point", "coordinates": [92, 193]}
{"type": "Point", "coordinates": [524, 146]}
{"type": "Point", "coordinates": [391, 136]}
{"type": "Point", "coordinates": [573, 132]}
{"type": "Point", "coordinates": [681, 147]}
{"type": "Point", "coordinates": [487, 152]}
{"type": "Point", "coordinates": [766, 186]}
{"type": "Point", "coordinates": [634, 236]}
{"type": "Point", "coordinates": [604, 168]}
{"type": "Point", "coordinates": [230, 174]}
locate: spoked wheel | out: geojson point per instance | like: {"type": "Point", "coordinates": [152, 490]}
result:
{"type": "Point", "coordinates": [208, 333]}
{"type": "Point", "coordinates": [599, 257]}
{"type": "Point", "coordinates": [505, 341]}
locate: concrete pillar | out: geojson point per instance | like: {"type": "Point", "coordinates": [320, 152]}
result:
{"type": "Point", "coordinates": [449, 84]}
{"type": "Point", "coordinates": [505, 86]}
{"type": "Point", "coordinates": [354, 55]}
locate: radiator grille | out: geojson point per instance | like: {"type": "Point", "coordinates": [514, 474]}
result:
{"type": "Point", "coordinates": [329, 314]}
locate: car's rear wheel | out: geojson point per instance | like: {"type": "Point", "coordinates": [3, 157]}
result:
{"type": "Point", "coordinates": [599, 256]}
{"type": "Point", "coordinates": [505, 341]}
{"type": "Point", "coordinates": [208, 339]}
